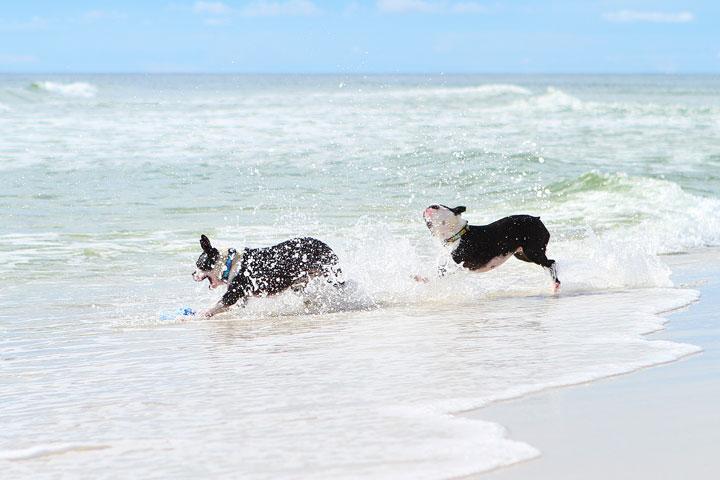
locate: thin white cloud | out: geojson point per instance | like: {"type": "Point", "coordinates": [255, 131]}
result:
{"type": "Point", "coordinates": [629, 16]}
{"type": "Point", "coordinates": [35, 23]}
{"type": "Point", "coordinates": [263, 8]}
{"type": "Point", "coordinates": [468, 7]}
{"type": "Point", "coordinates": [407, 6]}
{"type": "Point", "coordinates": [17, 59]}
{"type": "Point", "coordinates": [216, 22]}
{"type": "Point", "coordinates": [422, 6]}
{"type": "Point", "coordinates": [105, 15]}
{"type": "Point", "coordinates": [211, 8]}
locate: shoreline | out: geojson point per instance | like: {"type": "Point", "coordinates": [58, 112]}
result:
{"type": "Point", "coordinates": [650, 423]}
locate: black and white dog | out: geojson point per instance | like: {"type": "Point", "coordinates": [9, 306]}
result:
{"type": "Point", "coordinates": [260, 272]}
{"type": "Point", "coordinates": [481, 248]}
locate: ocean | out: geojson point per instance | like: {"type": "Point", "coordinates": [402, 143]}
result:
{"type": "Point", "coordinates": [108, 181]}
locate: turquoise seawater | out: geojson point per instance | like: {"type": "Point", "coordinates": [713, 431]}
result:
{"type": "Point", "coordinates": [107, 182]}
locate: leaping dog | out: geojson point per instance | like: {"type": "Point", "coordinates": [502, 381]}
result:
{"type": "Point", "coordinates": [260, 272]}
{"type": "Point", "coordinates": [481, 248]}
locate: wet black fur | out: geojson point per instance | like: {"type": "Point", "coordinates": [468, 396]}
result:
{"type": "Point", "coordinates": [482, 243]}
{"type": "Point", "coordinates": [271, 270]}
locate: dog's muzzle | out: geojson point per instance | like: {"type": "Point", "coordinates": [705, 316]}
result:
{"type": "Point", "coordinates": [427, 219]}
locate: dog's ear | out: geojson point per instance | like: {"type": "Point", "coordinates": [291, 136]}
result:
{"type": "Point", "coordinates": [458, 210]}
{"type": "Point", "coordinates": [205, 244]}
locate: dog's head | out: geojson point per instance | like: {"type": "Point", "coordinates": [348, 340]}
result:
{"type": "Point", "coordinates": [208, 264]}
{"type": "Point", "coordinates": [443, 221]}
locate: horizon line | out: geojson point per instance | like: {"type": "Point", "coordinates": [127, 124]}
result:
{"type": "Point", "coordinates": [369, 73]}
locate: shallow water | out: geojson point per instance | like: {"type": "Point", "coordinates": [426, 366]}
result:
{"type": "Point", "coordinates": [108, 181]}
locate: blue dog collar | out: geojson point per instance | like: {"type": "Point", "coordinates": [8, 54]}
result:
{"type": "Point", "coordinates": [228, 264]}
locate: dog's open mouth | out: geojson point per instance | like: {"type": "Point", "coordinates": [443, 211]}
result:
{"type": "Point", "coordinates": [211, 284]}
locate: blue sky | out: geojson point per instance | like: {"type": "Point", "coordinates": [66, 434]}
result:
{"type": "Point", "coordinates": [356, 36]}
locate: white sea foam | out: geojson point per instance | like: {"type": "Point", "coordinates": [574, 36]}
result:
{"type": "Point", "coordinates": [371, 393]}
{"type": "Point", "coordinates": [649, 215]}
{"type": "Point", "coordinates": [481, 91]}
{"type": "Point", "coordinates": [551, 100]}
{"type": "Point", "coordinates": [74, 89]}
{"type": "Point", "coordinates": [44, 450]}
{"type": "Point", "coordinates": [501, 89]}
{"type": "Point", "coordinates": [484, 91]}
{"type": "Point", "coordinates": [554, 99]}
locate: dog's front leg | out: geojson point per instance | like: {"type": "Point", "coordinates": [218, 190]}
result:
{"type": "Point", "coordinates": [443, 266]}
{"type": "Point", "coordinates": [219, 307]}
{"type": "Point", "coordinates": [442, 270]}
{"type": "Point", "coordinates": [234, 293]}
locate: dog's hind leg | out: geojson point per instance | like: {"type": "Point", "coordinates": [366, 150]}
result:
{"type": "Point", "coordinates": [299, 284]}
{"type": "Point", "coordinates": [553, 274]}
{"type": "Point", "coordinates": [520, 255]}
{"type": "Point", "coordinates": [333, 275]}
{"type": "Point", "coordinates": [535, 254]}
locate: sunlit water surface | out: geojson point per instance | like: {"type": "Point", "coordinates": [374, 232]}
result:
{"type": "Point", "coordinates": [107, 182]}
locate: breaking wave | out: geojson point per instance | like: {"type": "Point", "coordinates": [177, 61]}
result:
{"type": "Point", "coordinates": [74, 89]}
{"type": "Point", "coordinates": [654, 214]}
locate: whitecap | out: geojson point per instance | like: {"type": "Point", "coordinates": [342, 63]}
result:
{"type": "Point", "coordinates": [501, 89]}
{"type": "Point", "coordinates": [75, 89]}
{"type": "Point", "coordinates": [650, 215]}
{"type": "Point", "coordinates": [554, 99]}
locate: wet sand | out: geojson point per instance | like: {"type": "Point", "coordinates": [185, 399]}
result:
{"type": "Point", "coordinates": [662, 422]}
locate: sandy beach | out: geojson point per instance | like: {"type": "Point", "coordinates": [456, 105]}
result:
{"type": "Point", "coordinates": [661, 423]}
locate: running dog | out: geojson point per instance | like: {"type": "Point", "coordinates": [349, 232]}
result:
{"type": "Point", "coordinates": [259, 272]}
{"type": "Point", "coordinates": [481, 248]}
